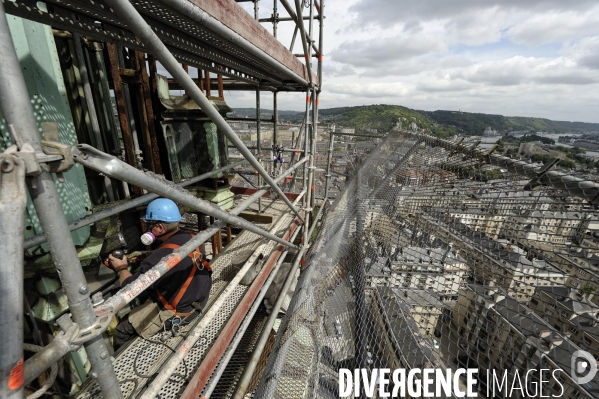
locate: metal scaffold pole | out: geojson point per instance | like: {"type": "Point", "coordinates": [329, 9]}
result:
{"type": "Point", "coordinates": [131, 291]}
{"type": "Point", "coordinates": [91, 107]}
{"type": "Point", "coordinates": [328, 176]}
{"type": "Point", "coordinates": [275, 18]}
{"type": "Point", "coordinates": [139, 26]}
{"type": "Point", "coordinates": [13, 203]}
{"type": "Point", "coordinates": [114, 167]}
{"type": "Point", "coordinates": [313, 149]}
{"type": "Point", "coordinates": [306, 201]}
{"type": "Point", "coordinates": [258, 141]}
{"type": "Point", "coordinates": [245, 379]}
{"type": "Point", "coordinates": [307, 52]}
{"type": "Point", "coordinates": [17, 110]}
{"type": "Point", "coordinates": [258, 138]}
{"type": "Point", "coordinates": [295, 18]}
{"type": "Point", "coordinates": [320, 43]}
{"type": "Point", "coordinates": [275, 129]}
{"type": "Point", "coordinates": [127, 205]}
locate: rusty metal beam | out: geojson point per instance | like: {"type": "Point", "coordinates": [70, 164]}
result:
{"type": "Point", "coordinates": [117, 83]}
{"type": "Point", "coordinates": [207, 83]}
{"type": "Point", "coordinates": [221, 90]}
{"type": "Point", "coordinates": [143, 99]}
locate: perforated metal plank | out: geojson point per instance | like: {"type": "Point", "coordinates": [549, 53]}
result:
{"type": "Point", "coordinates": [189, 41]}
{"type": "Point", "coordinates": [197, 353]}
{"type": "Point", "coordinates": [142, 358]}
{"type": "Point", "coordinates": [227, 383]}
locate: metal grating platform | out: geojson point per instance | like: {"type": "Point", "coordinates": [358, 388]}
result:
{"type": "Point", "coordinates": [190, 42]}
{"type": "Point", "coordinates": [226, 385]}
{"type": "Point", "coordinates": [142, 359]}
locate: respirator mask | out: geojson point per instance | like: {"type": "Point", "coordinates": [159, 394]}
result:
{"type": "Point", "coordinates": [148, 237]}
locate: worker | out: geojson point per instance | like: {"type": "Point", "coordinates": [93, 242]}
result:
{"type": "Point", "coordinates": [176, 298]}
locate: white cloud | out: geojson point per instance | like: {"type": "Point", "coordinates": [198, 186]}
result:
{"type": "Point", "coordinates": [372, 90]}
{"type": "Point", "coordinates": [585, 52]}
{"type": "Point", "coordinates": [555, 27]}
{"type": "Point", "coordinates": [388, 13]}
{"type": "Point", "coordinates": [511, 57]}
{"type": "Point", "coordinates": [386, 51]}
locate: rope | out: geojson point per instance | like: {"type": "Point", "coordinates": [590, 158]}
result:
{"type": "Point", "coordinates": [149, 342]}
{"type": "Point", "coordinates": [51, 378]}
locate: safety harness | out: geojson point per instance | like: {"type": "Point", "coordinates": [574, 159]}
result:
{"type": "Point", "coordinates": [200, 264]}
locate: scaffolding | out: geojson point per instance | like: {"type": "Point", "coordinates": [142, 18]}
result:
{"type": "Point", "coordinates": [231, 51]}
{"type": "Point", "coordinates": [435, 253]}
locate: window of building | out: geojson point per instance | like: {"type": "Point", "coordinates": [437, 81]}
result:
{"type": "Point", "coordinates": [573, 330]}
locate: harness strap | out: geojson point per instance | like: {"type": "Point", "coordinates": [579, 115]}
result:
{"type": "Point", "coordinates": [184, 287]}
{"type": "Point", "coordinates": [197, 259]}
{"type": "Point", "coordinates": [196, 256]}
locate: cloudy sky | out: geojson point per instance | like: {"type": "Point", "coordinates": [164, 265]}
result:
{"type": "Point", "coordinates": [512, 57]}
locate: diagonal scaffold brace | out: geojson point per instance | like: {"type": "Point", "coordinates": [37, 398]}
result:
{"type": "Point", "coordinates": [99, 161]}
{"type": "Point", "coordinates": [138, 25]}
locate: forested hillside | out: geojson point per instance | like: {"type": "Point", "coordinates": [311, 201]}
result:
{"type": "Point", "coordinates": [381, 118]}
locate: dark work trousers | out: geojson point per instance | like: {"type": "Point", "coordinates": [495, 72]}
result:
{"type": "Point", "coordinates": [125, 331]}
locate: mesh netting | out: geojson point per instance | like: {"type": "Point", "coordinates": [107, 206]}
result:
{"type": "Point", "coordinates": [436, 254]}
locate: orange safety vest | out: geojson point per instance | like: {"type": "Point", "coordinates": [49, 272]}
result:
{"type": "Point", "coordinates": [197, 259]}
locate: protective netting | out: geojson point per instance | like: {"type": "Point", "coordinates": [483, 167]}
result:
{"type": "Point", "coordinates": [440, 255]}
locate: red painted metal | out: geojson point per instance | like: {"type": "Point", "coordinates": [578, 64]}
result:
{"type": "Point", "coordinates": [204, 372]}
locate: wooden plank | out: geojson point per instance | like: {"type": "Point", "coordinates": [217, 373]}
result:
{"type": "Point", "coordinates": [250, 191]}
{"type": "Point", "coordinates": [256, 217]}
{"type": "Point", "coordinates": [234, 17]}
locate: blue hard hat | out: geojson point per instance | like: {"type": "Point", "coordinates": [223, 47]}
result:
{"type": "Point", "coordinates": [163, 210]}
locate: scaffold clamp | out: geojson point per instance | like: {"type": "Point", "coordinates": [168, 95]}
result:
{"type": "Point", "coordinates": [53, 147]}
{"type": "Point", "coordinates": [55, 155]}
{"type": "Point", "coordinates": [26, 153]}
{"type": "Point", "coordinates": [79, 335]}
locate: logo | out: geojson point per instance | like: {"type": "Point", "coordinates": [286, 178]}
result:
{"type": "Point", "coordinates": [584, 367]}
{"type": "Point", "coordinates": [418, 383]}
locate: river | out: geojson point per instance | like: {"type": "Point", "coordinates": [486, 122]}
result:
{"type": "Point", "coordinates": [487, 142]}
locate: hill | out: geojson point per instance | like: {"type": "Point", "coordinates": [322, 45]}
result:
{"type": "Point", "coordinates": [266, 114]}
{"type": "Point", "coordinates": [475, 124]}
{"type": "Point", "coordinates": [370, 119]}
{"type": "Point", "coordinates": [556, 126]}
{"type": "Point", "coordinates": [381, 118]}
{"type": "Point", "coordinates": [469, 123]}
